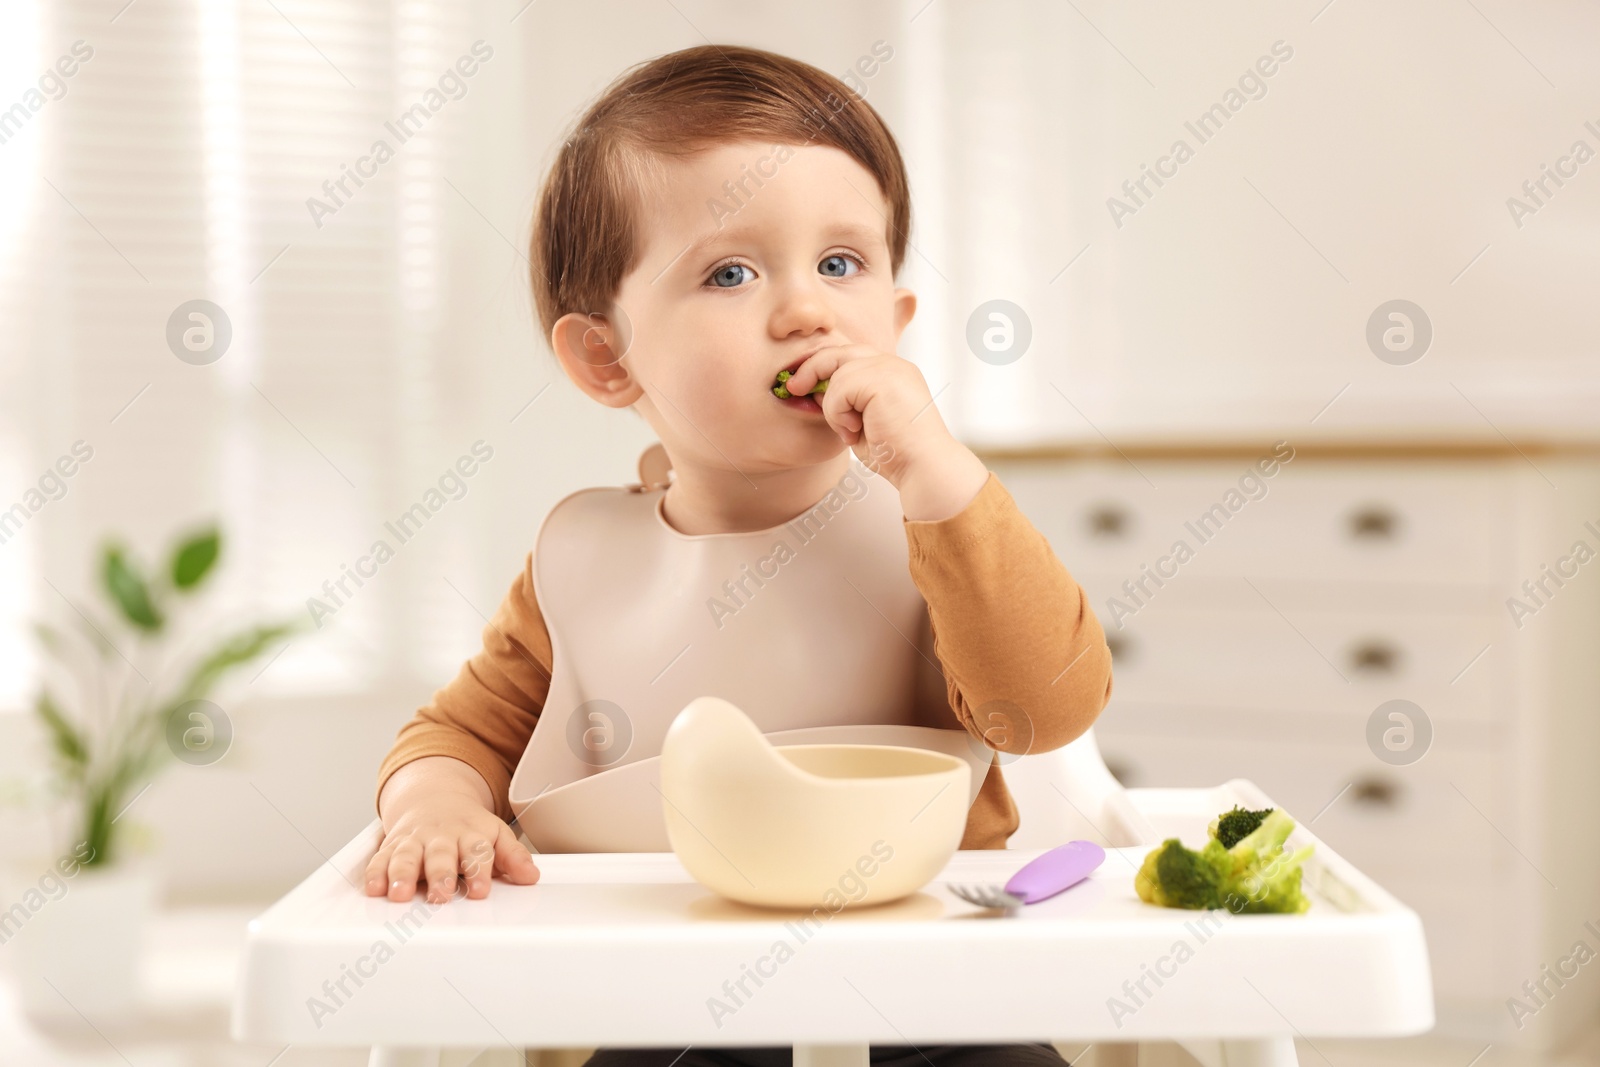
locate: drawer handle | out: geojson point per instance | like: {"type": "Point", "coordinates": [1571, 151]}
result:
{"type": "Point", "coordinates": [1109, 521]}
{"type": "Point", "coordinates": [1375, 657]}
{"type": "Point", "coordinates": [1374, 523]}
{"type": "Point", "coordinates": [1375, 792]}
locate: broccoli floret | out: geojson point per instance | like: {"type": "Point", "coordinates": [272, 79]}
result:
{"type": "Point", "coordinates": [1265, 878]}
{"type": "Point", "coordinates": [1253, 876]}
{"type": "Point", "coordinates": [1176, 877]}
{"type": "Point", "coordinates": [1234, 826]}
{"type": "Point", "coordinates": [782, 393]}
{"type": "Point", "coordinates": [1275, 890]}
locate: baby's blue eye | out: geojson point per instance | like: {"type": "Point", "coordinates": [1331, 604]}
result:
{"type": "Point", "coordinates": [834, 266]}
{"type": "Point", "coordinates": [728, 276]}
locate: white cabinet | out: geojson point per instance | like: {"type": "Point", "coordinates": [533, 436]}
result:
{"type": "Point", "coordinates": [1350, 578]}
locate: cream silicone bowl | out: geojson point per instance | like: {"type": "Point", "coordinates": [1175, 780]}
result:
{"type": "Point", "coordinates": [804, 826]}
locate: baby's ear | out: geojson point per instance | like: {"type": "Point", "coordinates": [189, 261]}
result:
{"type": "Point", "coordinates": [905, 306]}
{"type": "Point", "coordinates": [590, 348]}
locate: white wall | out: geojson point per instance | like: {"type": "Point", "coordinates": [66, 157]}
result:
{"type": "Point", "coordinates": [1233, 302]}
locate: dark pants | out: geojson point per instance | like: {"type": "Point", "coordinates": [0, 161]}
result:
{"type": "Point", "coordinates": [1038, 1054]}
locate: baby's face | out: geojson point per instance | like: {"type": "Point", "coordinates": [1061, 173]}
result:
{"type": "Point", "coordinates": [731, 289]}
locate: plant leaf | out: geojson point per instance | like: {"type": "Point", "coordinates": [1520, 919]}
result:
{"type": "Point", "coordinates": [91, 631]}
{"type": "Point", "coordinates": [70, 745]}
{"type": "Point", "coordinates": [50, 638]}
{"type": "Point", "coordinates": [137, 765]}
{"type": "Point", "coordinates": [194, 558]}
{"type": "Point", "coordinates": [56, 644]}
{"type": "Point", "coordinates": [236, 651]}
{"type": "Point", "coordinates": [65, 645]}
{"type": "Point", "coordinates": [98, 822]}
{"type": "Point", "coordinates": [129, 590]}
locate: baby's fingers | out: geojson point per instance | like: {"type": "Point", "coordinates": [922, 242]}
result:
{"type": "Point", "coordinates": [824, 364]}
{"type": "Point", "coordinates": [404, 862]}
{"type": "Point", "coordinates": [377, 875]}
{"type": "Point", "coordinates": [477, 864]}
{"type": "Point", "coordinates": [441, 863]}
{"type": "Point", "coordinates": [513, 860]}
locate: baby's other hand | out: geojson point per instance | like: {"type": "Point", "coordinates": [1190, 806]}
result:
{"type": "Point", "coordinates": [437, 835]}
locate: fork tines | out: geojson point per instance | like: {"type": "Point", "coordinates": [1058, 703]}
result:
{"type": "Point", "coordinates": [986, 896]}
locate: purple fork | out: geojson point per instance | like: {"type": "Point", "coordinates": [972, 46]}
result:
{"type": "Point", "coordinates": [1061, 868]}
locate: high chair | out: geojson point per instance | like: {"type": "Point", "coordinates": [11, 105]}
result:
{"type": "Point", "coordinates": [621, 949]}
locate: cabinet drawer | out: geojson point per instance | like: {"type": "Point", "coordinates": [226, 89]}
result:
{"type": "Point", "coordinates": [1344, 662]}
{"type": "Point", "coordinates": [1421, 523]}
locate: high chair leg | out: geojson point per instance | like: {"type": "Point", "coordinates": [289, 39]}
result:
{"type": "Point", "coordinates": [1207, 1052]}
{"type": "Point", "coordinates": [384, 1056]}
{"type": "Point", "coordinates": [1261, 1052]}
{"type": "Point", "coordinates": [832, 1055]}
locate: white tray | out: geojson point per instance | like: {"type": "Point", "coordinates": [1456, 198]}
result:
{"type": "Point", "coordinates": [626, 949]}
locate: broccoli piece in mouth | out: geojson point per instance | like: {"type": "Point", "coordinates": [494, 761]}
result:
{"type": "Point", "coordinates": [1234, 826]}
{"type": "Point", "coordinates": [783, 393]}
{"type": "Point", "coordinates": [1255, 875]}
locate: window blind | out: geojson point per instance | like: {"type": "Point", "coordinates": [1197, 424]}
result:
{"type": "Point", "coordinates": [184, 160]}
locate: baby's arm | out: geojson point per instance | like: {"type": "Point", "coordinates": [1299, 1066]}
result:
{"type": "Point", "coordinates": [442, 789]}
{"type": "Point", "coordinates": [1025, 660]}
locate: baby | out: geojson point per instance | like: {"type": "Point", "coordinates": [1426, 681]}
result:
{"type": "Point", "coordinates": [717, 216]}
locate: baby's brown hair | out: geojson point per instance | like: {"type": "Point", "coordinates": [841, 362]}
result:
{"type": "Point", "coordinates": [586, 225]}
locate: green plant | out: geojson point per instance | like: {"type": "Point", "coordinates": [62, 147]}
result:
{"type": "Point", "coordinates": [102, 759]}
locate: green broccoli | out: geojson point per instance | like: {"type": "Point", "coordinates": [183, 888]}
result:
{"type": "Point", "coordinates": [783, 394]}
{"type": "Point", "coordinates": [1255, 875]}
{"type": "Point", "coordinates": [1176, 877]}
{"type": "Point", "coordinates": [1234, 826]}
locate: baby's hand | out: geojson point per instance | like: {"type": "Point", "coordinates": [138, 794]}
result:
{"type": "Point", "coordinates": [438, 834]}
{"type": "Point", "coordinates": [879, 405]}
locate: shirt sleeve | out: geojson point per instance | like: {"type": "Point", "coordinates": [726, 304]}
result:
{"type": "Point", "coordinates": [485, 716]}
{"type": "Point", "coordinates": [1025, 662]}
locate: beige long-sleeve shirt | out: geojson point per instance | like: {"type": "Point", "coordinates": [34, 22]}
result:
{"type": "Point", "coordinates": [1023, 659]}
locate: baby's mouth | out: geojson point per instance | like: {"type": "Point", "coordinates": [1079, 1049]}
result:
{"type": "Point", "coordinates": [780, 387]}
